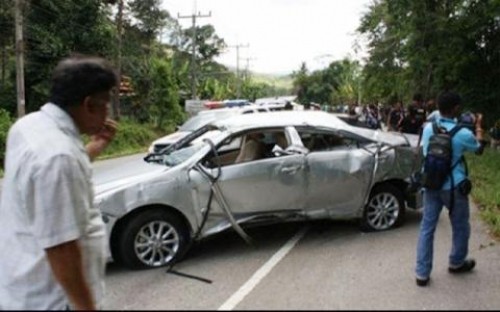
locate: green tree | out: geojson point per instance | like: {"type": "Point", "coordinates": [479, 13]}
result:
{"type": "Point", "coordinates": [57, 29]}
{"type": "Point", "coordinates": [6, 39]}
{"type": "Point", "coordinates": [336, 84]}
{"type": "Point", "coordinates": [150, 18]}
{"type": "Point", "coordinates": [208, 43]}
{"type": "Point", "coordinates": [7, 60]}
{"type": "Point", "coordinates": [300, 83]}
{"type": "Point", "coordinates": [427, 46]}
{"type": "Point", "coordinates": [156, 96]}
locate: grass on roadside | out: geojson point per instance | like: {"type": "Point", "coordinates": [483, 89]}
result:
{"type": "Point", "coordinates": [131, 138]}
{"type": "Point", "coordinates": [485, 174]}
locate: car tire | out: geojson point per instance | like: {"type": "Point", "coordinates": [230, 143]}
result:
{"type": "Point", "coordinates": [152, 239]}
{"type": "Point", "coordinates": [385, 209]}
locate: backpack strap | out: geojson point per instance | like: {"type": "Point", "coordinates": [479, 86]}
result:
{"type": "Point", "coordinates": [435, 127]}
{"type": "Point", "coordinates": [455, 130]}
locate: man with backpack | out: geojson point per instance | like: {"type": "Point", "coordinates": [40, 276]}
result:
{"type": "Point", "coordinates": [446, 184]}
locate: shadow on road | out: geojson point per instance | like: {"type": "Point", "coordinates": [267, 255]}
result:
{"type": "Point", "coordinates": [229, 246]}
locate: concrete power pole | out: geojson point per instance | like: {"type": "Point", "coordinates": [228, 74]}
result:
{"type": "Point", "coordinates": [248, 59]}
{"type": "Point", "coordinates": [193, 17]}
{"type": "Point", "coordinates": [21, 103]}
{"type": "Point", "coordinates": [238, 81]}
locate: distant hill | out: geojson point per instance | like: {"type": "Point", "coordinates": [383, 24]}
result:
{"type": "Point", "coordinates": [280, 81]}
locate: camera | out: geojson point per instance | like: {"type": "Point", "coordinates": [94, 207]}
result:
{"type": "Point", "coordinates": [468, 120]}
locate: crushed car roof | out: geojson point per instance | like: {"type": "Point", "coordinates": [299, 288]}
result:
{"type": "Point", "coordinates": [309, 118]}
{"type": "Point", "coordinates": [282, 119]}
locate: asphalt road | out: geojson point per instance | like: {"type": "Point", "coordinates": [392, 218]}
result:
{"type": "Point", "coordinates": [313, 265]}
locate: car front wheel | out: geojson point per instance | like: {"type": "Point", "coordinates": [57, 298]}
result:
{"type": "Point", "coordinates": [153, 239]}
{"type": "Point", "coordinates": [385, 209]}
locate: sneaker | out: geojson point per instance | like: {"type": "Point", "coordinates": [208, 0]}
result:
{"type": "Point", "coordinates": [467, 266]}
{"type": "Point", "coordinates": [422, 282]}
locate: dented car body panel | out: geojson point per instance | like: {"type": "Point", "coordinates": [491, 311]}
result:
{"type": "Point", "coordinates": [311, 176]}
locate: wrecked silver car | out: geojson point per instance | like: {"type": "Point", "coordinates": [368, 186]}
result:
{"type": "Point", "coordinates": [252, 169]}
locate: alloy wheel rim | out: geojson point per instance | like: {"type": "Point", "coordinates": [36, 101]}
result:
{"type": "Point", "coordinates": [156, 243]}
{"type": "Point", "coordinates": [383, 211]}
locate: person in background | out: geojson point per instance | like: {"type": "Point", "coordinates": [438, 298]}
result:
{"type": "Point", "coordinates": [396, 115]}
{"type": "Point", "coordinates": [494, 133]}
{"type": "Point", "coordinates": [419, 109]}
{"type": "Point", "coordinates": [372, 117]}
{"type": "Point", "coordinates": [464, 140]}
{"type": "Point", "coordinates": [431, 110]}
{"type": "Point", "coordinates": [53, 238]}
{"type": "Point", "coordinates": [410, 123]}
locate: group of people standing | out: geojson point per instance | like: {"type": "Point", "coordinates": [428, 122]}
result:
{"type": "Point", "coordinates": [397, 118]}
{"type": "Point", "coordinates": [412, 119]}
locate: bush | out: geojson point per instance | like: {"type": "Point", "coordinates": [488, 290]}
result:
{"type": "Point", "coordinates": [131, 137]}
{"type": "Point", "coordinates": [5, 123]}
{"type": "Point", "coordinates": [485, 174]}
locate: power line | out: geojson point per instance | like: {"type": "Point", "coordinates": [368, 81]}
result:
{"type": "Point", "coordinates": [248, 59]}
{"type": "Point", "coordinates": [193, 17]}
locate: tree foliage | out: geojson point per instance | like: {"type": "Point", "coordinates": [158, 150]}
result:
{"type": "Point", "coordinates": [208, 44]}
{"type": "Point", "coordinates": [57, 29]}
{"type": "Point", "coordinates": [336, 84]}
{"type": "Point", "coordinates": [426, 46]}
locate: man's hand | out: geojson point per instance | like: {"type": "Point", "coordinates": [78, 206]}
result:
{"type": "Point", "coordinates": [99, 141]}
{"type": "Point", "coordinates": [479, 120]}
{"type": "Point", "coordinates": [65, 260]}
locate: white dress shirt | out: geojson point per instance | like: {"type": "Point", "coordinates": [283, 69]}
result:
{"type": "Point", "coordinates": [47, 200]}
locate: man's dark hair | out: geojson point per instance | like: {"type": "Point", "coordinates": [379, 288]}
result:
{"type": "Point", "coordinates": [447, 100]}
{"type": "Point", "coordinates": [412, 110]}
{"type": "Point", "coordinates": [75, 78]}
{"type": "Point", "coordinates": [417, 97]}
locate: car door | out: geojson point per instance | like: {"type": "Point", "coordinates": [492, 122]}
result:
{"type": "Point", "coordinates": [338, 172]}
{"type": "Point", "coordinates": [272, 183]}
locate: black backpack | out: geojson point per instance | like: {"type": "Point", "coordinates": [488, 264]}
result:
{"type": "Point", "coordinates": [438, 161]}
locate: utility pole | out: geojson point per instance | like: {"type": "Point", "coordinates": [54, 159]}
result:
{"type": "Point", "coordinates": [248, 59]}
{"type": "Point", "coordinates": [238, 82]}
{"type": "Point", "coordinates": [115, 109]}
{"type": "Point", "coordinates": [21, 110]}
{"type": "Point", "coordinates": [193, 18]}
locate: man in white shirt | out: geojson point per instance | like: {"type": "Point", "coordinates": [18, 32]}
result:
{"type": "Point", "coordinates": [53, 238]}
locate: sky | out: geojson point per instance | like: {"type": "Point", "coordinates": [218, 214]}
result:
{"type": "Point", "coordinates": [280, 34]}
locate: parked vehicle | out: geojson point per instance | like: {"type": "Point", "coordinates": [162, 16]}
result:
{"type": "Point", "coordinates": [254, 169]}
{"type": "Point", "coordinates": [198, 121]}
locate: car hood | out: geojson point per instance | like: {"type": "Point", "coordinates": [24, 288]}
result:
{"type": "Point", "coordinates": [112, 178]}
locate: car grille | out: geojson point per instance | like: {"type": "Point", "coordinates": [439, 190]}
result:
{"type": "Point", "coordinates": [159, 147]}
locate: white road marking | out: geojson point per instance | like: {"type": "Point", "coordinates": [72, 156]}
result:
{"type": "Point", "coordinates": [244, 290]}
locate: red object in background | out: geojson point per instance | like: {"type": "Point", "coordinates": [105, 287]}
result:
{"type": "Point", "coordinates": [214, 104]}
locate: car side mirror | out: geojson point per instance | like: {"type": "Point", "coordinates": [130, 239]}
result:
{"type": "Point", "coordinates": [278, 151]}
{"type": "Point", "coordinates": [177, 128]}
{"type": "Point", "coordinates": [297, 149]}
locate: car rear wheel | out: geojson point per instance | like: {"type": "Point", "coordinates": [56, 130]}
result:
{"type": "Point", "coordinates": [385, 209]}
{"type": "Point", "coordinates": [152, 239]}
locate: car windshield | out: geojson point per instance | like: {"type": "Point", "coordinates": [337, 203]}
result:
{"type": "Point", "coordinates": [181, 155]}
{"type": "Point", "coordinates": [185, 152]}
{"type": "Point", "coordinates": [204, 118]}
